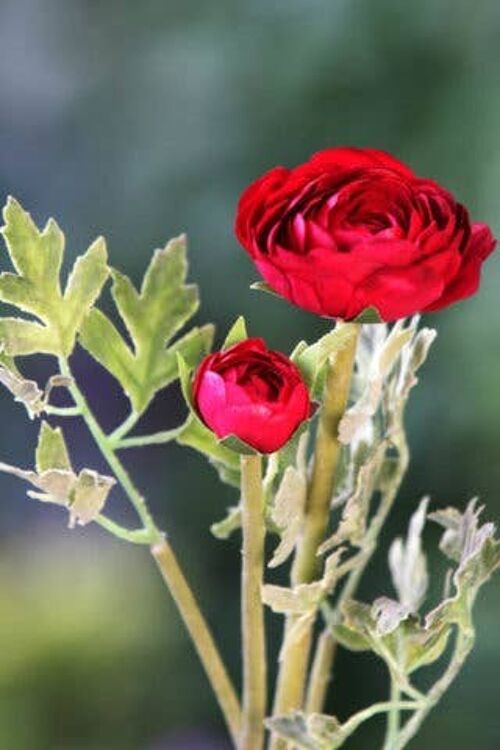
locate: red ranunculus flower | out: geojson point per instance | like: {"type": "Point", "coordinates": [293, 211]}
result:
{"type": "Point", "coordinates": [355, 228]}
{"type": "Point", "coordinates": [253, 393]}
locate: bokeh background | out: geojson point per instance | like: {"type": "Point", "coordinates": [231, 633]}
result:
{"type": "Point", "coordinates": [141, 120]}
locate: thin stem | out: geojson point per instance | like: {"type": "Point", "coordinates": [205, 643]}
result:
{"type": "Point", "coordinates": [125, 427]}
{"type": "Point", "coordinates": [324, 657]}
{"type": "Point", "coordinates": [392, 733]}
{"type": "Point", "coordinates": [253, 634]}
{"type": "Point", "coordinates": [463, 647]}
{"type": "Point", "coordinates": [321, 673]}
{"type": "Point", "coordinates": [295, 652]}
{"type": "Point", "coordinates": [168, 565]}
{"type": "Point", "coordinates": [200, 635]}
{"type": "Point", "coordinates": [62, 411]}
{"type": "Point", "coordinates": [135, 536]}
{"type": "Point", "coordinates": [107, 451]}
{"type": "Point", "coordinates": [138, 441]}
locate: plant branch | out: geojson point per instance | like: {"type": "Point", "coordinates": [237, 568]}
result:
{"type": "Point", "coordinates": [463, 646]}
{"type": "Point", "coordinates": [138, 441]}
{"type": "Point", "coordinates": [200, 636]}
{"type": "Point", "coordinates": [163, 554]}
{"type": "Point", "coordinates": [325, 656]}
{"type": "Point", "coordinates": [295, 651]}
{"type": "Point", "coordinates": [253, 635]}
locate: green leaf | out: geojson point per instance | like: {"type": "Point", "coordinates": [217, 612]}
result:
{"type": "Point", "coordinates": [238, 446]}
{"type": "Point", "coordinates": [369, 315]}
{"type": "Point", "coordinates": [51, 451]}
{"type": "Point", "coordinates": [152, 316]}
{"type": "Point", "coordinates": [35, 288]}
{"type": "Point", "coordinates": [312, 359]}
{"type": "Point", "coordinates": [237, 333]}
{"type": "Point", "coordinates": [197, 436]}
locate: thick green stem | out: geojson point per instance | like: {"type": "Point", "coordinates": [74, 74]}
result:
{"type": "Point", "coordinates": [200, 635]}
{"type": "Point", "coordinates": [253, 634]}
{"type": "Point", "coordinates": [295, 651]}
{"type": "Point", "coordinates": [325, 656]}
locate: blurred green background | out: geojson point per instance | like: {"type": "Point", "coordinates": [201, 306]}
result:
{"type": "Point", "coordinates": [139, 120]}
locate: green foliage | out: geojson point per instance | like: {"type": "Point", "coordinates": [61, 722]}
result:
{"type": "Point", "coordinates": [51, 451]}
{"type": "Point", "coordinates": [237, 333]}
{"type": "Point", "coordinates": [35, 287]}
{"type": "Point", "coordinates": [152, 316]}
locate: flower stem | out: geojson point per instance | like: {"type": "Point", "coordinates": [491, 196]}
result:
{"type": "Point", "coordinates": [163, 554]}
{"type": "Point", "coordinates": [252, 613]}
{"type": "Point", "coordinates": [138, 441]}
{"type": "Point", "coordinates": [295, 652]}
{"type": "Point", "coordinates": [392, 733]}
{"type": "Point", "coordinates": [325, 656]}
{"type": "Point", "coordinates": [200, 635]}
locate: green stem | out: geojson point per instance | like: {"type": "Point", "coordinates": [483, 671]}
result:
{"type": "Point", "coordinates": [107, 451]}
{"type": "Point", "coordinates": [125, 427]}
{"type": "Point", "coordinates": [392, 733]}
{"type": "Point", "coordinates": [324, 657]}
{"type": "Point", "coordinates": [135, 536]}
{"type": "Point", "coordinates": [352, 724]}
{"type": "Point", "coordinates": [62, 411]}
{"type": "Point", "coordinates": [295, 651]}
{"type": "Point", "coordinates": [463, 647]}
{"type": "Point", "coordinates": [138, 441]}
{"type": "Point", "coordinates": [163, 554]}
{"type": "Point", "coordinates": [200, 636]}
{"type": "Point", "coordinates": [253, 633]}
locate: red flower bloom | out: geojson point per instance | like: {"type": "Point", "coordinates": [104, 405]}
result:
{"type": "Point", "coordinates": [253, 393]}
{"type": "Point", "coordinates": [355, 228]}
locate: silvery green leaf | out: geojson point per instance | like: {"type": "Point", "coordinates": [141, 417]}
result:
{"type": "Point", "coordinates": [479, 559]}
{"type": "Point", "coordinates": [384, 359]}
{"type": "Point", "coordinates": [287, 510]}
{"type": "Point", "coordinates": [353, 523]}
{"type": "Point", "coordinates": [197, 436]}
{"type": "Point", "coordinates": [152, 317]}
{"type": "Point", "coordinates": [35, 287]}
{"type": "Point", "coordinates": [237, 333]}
{"type": "Point", "coordinates": [408, 564]}
{"type": "Point", "coordinates": [261, 286]}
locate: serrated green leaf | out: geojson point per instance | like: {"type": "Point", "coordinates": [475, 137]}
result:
{"type": "Point", "coordinates": [51, 451]}
{"type": "Point", "coordinates": [35, 288]}
{"type": "Point", "coordinates": [237, 333]}
{"type": "Point", "coordinates": [152, 316]}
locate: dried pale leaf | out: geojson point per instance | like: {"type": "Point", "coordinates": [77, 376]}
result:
{"type": "Point", "coordinates": [25, 391]}
{"type": "Point", "coordinates": [388, 614]}
{"type": "Point", "coordinates": [311, 732]}
{"type": "Point", "coordinates": [88, 497]}
{"type": "Point", "coordinates": [302, 599]}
